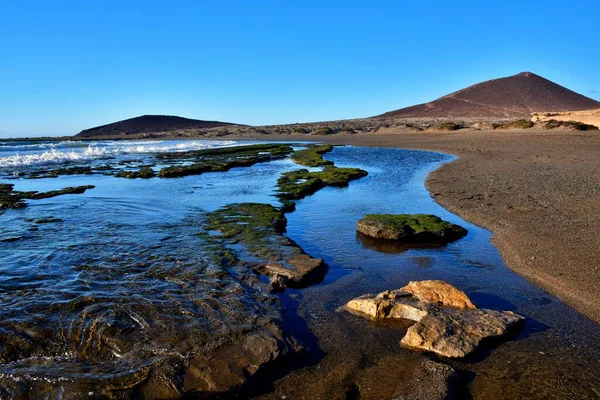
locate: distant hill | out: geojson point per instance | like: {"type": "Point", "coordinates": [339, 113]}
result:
{"type": "Point", "coordinates": [516, 96]}
{"type": "Point", "coordinates": [149, 124]}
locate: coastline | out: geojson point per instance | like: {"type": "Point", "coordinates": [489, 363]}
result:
{"type": "Point", "coordinates": [537, 192]}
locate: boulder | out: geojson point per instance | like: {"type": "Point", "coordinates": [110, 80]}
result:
{"type": "Point", "coordinates": [447, 322]}
{"type": "Point", "coordinates": [438, 292]}
{"type": "Point", "coordinates": [409, 228]}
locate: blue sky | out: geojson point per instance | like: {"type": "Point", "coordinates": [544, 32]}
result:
{"type": "Point", "coordinates": [70, 65]}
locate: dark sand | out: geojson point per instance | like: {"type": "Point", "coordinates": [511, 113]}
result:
{"type": "Point", "coordinates": [538, 192]}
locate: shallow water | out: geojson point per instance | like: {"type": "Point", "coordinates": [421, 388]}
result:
{"type": "Point", "coordinates": [127, 252]}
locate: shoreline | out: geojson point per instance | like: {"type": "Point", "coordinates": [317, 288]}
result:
{"type": "Point", "coordinates": [538, 193]}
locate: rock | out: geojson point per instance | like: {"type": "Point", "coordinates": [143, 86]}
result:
{"type": "Point", "coordinates": [439, 292]}
{"type": "Point", "coordinates": [258, 228]}
{"type": "Point", "coordinates": [409, 228]}
{"type": "Point", "coordinates": [231, 366]}
{"type": "Point", "coordinates": [447, 322]}
{"type": "Point", "coordinates": [10, 198]}
{"type": "Point", "coordinates": [454, 333]}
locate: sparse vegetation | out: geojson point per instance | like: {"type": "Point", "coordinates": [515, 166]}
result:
{"type": "Point", "coordinates": [571, 125]}
{"type": "Point", "coordinates": [322, 131]}
{"type": "Point", "coordinates": [518, 124]}
{"type": "Point", "coordinates": [446, 126]}
{"type": "Point", "coordinates": [578, 126]}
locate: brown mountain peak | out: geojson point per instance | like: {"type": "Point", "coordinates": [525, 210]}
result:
{"type": "Point", "coordinates": [510, 97]}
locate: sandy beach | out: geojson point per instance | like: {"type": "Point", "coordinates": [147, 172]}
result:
{"type": "Point", "coordinates": [537, 192]}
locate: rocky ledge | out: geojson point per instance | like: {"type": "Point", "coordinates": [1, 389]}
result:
{"type": "Point", "coordinates": [447, 322]}
{"type": "Point", "coordinates": [10, 198]}
{"type": "Point", "coordinates": [409, 228]}
{"type": "Point", "coordinates": [254, 231]}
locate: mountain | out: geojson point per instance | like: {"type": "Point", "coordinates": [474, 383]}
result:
{"type": "Point", "coordinates": [515, 96]}
{"type": "Point", "coordinates": [149, 124]}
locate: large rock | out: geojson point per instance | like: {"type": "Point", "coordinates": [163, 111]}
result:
{"type": "Point", "coordinates": [409, 228]}
{"type": "Point", "coordinates": [447, 322]}
{"type": "Point", "coordinates": [438, 292]}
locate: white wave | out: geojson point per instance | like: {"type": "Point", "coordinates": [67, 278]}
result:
{"type": "Point", "coordinates": [7, 146]}
{"type": "Point", "coordinates": [99, 150]}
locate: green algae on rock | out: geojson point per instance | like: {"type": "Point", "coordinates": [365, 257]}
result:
{"type": "Point", "coordinates": [143, 172]}
{"type": "Point", "coordinates": [313, 155]}
{"type": "Point", "coordinates": [221, 159]}
{"type": "Point", "coordinates": [255, 230]}
{"type": "Point", "coordinates": [244, 150]}
{"type": "Point", "coordinates": [55, 173]}
{"type": "Point", "coordinates": [409, 227]}
{"type": "Point", "coordinates": [295, 185]}
{"type": "Point", "coordinates": [10, 198]}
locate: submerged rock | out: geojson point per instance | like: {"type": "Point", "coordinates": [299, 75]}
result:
{"type": "Point", "coordinates": [409, 228]}
{"type": "Point", "coordinates": [158, 323]}
{"type": "Point", "coordinates": [10, 198]}
{"type": "Point", "coordinates": [143, 173]}
{"type": "Point", "coordinates": [220, 159]}
{"type": "Point", "coordinates": [258, 229]}
{"type": "Point", "coordinates": [447, 322]}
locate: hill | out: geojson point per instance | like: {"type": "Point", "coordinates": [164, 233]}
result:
{"type": "Point", "coordinates": [149, 124]}
{"type": "Point", "coordinates": [515, 96]}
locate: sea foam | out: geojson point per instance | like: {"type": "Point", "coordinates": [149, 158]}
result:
{"type": "Point", "coordinates": [75, 151]}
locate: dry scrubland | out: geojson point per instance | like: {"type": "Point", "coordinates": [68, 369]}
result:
{"type": "Point", "coordinates": [360, 126]}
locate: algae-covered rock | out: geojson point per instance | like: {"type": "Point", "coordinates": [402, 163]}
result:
{"type": "Point", "coordinates": [409, 228]}
{"type": "Point", "coordinates": [447, 322]}
{"type": "Point", "coordinates": [313, 156]}
{"type": "Point", "coordinates": [295, 185]}
{"type": "Point", "coordinates": [221, 159]}
{"type": "Point", "coordinates": [10, 198]}
{"type": "Point", "coordinates": [144, 173]}
{"type": "Point", "coordinates": [258, 228]}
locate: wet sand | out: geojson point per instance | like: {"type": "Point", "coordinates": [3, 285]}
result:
{"type": "Point", "coordinates": [538, 192]}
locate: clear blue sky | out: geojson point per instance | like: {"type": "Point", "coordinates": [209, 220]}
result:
{"type": "Point", "coordinates": [69, 65]}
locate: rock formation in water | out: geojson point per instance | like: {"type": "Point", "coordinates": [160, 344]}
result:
{"type": "Point", "coordinates": [10, 198]}
{"type": "Point", "coordinates": [447, 322]}
{"type": "Point", "coordinates": [255, 230]}
{"type": "Point", "coordinates": [409, 228]}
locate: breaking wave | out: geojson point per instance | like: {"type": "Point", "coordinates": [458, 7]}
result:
{"type": "Point", "coordinates": [20, 155]}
